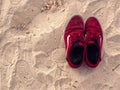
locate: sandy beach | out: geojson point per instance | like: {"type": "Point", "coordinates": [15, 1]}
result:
{"type": "Point", "coordinates": [32, 51]}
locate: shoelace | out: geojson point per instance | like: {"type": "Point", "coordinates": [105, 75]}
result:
{"type": "Point", "coordinates": [75, 36]}
{"type": "Point", "coordinates": [94, 35]}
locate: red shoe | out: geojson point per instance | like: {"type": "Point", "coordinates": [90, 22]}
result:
{"type": "Point", "coordinates": [94, 40]}
{"type": "Point", "coordinates": [74, 41]}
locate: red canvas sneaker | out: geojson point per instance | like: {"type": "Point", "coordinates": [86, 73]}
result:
{"type": "Point", "coordinates": [74, 41]}
{"type": "Point", "coordinates": [94, 40]}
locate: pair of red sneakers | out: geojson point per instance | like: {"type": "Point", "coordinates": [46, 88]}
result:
{"type": "Point", "coordinates": [83, 43]}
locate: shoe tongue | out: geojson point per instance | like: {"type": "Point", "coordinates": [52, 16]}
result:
{"type": "Point", "coordinates": [91, 42]}
{"type": "Point", "coordinates": [76, 44]}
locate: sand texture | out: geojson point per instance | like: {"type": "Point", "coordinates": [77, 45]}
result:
{"type": "Point", "coordinates": [32, 51]}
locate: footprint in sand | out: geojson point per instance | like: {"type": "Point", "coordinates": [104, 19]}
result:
{"type": "Point", "coordinates": [45, 78]}
{"type": "Point", "coordinates": [23, 16]}
{"type": "Point", "coordinates": [58, 55]}
{"type": "Point", "coordinates": [49, 41]}
{"type": "Point", "coordinates": [43, 62]}
{"type": "Point", "coordinates": [94, 7]}
{"type": "Point", "coordinates": [63, 84]}
{"type": "Point", "coordinates": [9, 51]}
{"type": "Point", "coordinates": [23, 73]}
{"type": "Point", "coordinates": [23, 76]}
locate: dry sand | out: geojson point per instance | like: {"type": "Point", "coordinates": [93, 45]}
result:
{"type": "Point", "coordinates": [32, 52]}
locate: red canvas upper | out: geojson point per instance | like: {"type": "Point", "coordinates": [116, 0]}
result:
{"type": "Point", "coordinates": [94, 35]}
{"type": "Point", "coordinates": [74, 32]}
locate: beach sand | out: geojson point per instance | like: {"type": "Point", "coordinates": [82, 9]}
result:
{"type": "Point", "coordinates": [32, 51]}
